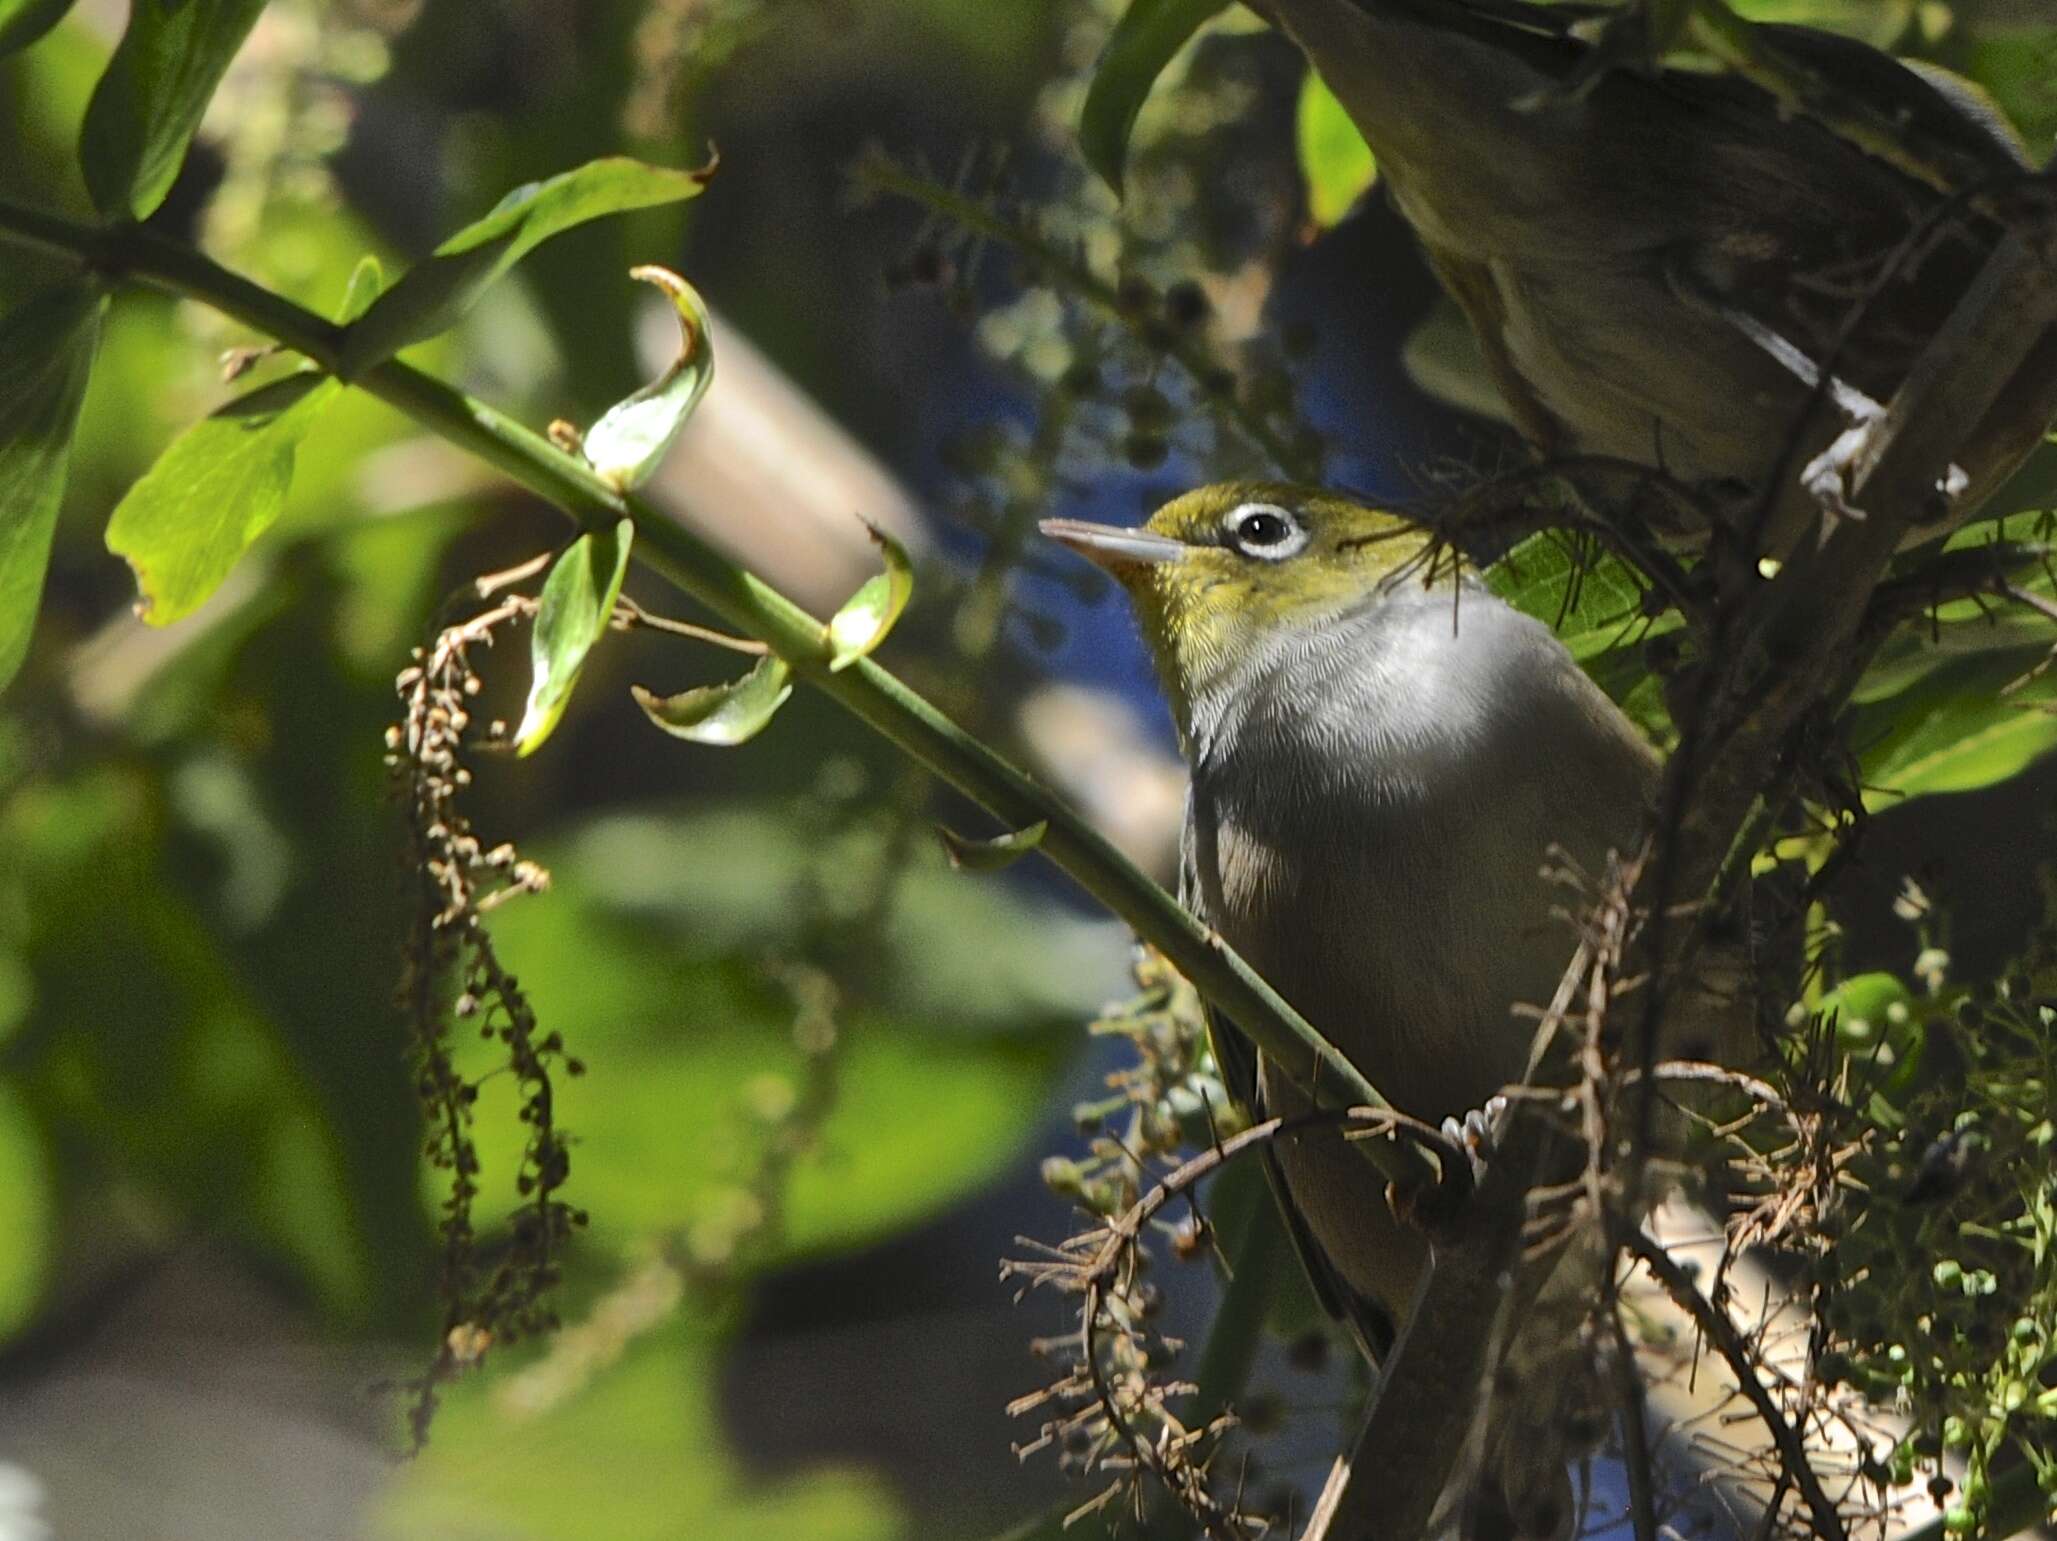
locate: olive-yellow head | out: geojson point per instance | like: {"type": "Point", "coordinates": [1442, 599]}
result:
{"type": "Point", "coordinates": [1216, 573]}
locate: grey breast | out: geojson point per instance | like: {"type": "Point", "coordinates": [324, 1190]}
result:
{"type": "Point", "coordinates": [1373, 802]}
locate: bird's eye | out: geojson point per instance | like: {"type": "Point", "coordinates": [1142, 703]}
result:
{"type": "Point", "coordinates": [1265, 531]}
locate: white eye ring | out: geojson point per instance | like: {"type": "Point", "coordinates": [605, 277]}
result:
{"type": "Point", "coordinates": [1264, 531]}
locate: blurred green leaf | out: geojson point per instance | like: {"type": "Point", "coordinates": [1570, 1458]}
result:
{"type": "Point", "coordinates": [868, 615]}
{"type": "Point", "coordinates": [27, 1213]}
{"type": "Point", "coordinates": [194, 1102]}
{"type": "Point", "coordinates": [151, 99]}
{"type": "Point", "coordinates": [1954, 730]}
{"type": "Point", "coordinates": [674, 1033]}
{"type": "Point", "coordinates": [2015, 65]}
{"type": "Point", "coordinates": [213, 492]}
{"type": "Point", "coordinates": [1880, 23]}
{"type": "Point", "coordinates": [1335, 162]}
{"type": "Point", "coordinates": [634, 434]}
{"type": "Point", "coordinates": [47, 344]}
{"type": "Point", "coordinates": [432, 295]}
{"type": "Point", "coordinates": [991, 855]}
{"type": "Point", "coordinates": [1869, 1008]}
{"type": "Point", "coordinates": [1148, 36]}
{"type": "Point", "coordinates": [578, 599]}
{"type": "Point", "coordinates": [740, 879]}
{"type": "Point", "coordinates": [23, 21]}
{"type": "Point", "coordinates": [635, 1452]}
{"type": "Point", "coordinates": [722, 715]}
{"type": "Point", "coordinates": [1442, 356]}
{"type": "Point", "coordinates": [367, 282]}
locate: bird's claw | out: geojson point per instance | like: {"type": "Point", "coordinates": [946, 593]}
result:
{"type": "Point", "coordinates": [1831, 475]}
{"type": "Point", "coordinates": [1477, 1132]}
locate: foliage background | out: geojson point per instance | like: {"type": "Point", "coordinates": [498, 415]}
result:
{"type": "Point", "coordinates": [222, 1234]}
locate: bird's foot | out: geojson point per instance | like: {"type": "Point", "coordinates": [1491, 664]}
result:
{"type": "Point", "coordinates": [1477, 1132]}
{"type": "Point", "coordinates": [1831, 476]}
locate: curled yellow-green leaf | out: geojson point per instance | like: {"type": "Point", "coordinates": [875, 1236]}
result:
{"type": "Point", "coordinates": [868, 615]}
{"type": "Point", "coordinates": [722, 715]}
{"type": "Point", "coordinates": [634, 434]}
{"type": "Point", "coordinates": [577, 602]}
{"type": "Point", "coordinates": [971, 855]}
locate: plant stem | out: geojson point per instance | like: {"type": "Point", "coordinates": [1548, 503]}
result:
{"type": "Point", "coordinates": [744, 601]}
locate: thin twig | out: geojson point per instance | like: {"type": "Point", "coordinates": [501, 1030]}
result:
{"type": "Point", "coordinates": [1715, 1324]}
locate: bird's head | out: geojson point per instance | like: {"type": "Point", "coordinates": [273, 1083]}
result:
{"type": "Point", "coordinates": [1220, 572]}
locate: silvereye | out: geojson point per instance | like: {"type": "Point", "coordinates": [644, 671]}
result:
{"type": "Point", "coordinates": [1382, 768]}
{"type": "Point", "coordinates": [1659, 263]}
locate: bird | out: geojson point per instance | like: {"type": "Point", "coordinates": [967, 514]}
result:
{"type": "Point", "coordinates": [1672, 267]}
{"type": "Point", "coordinates": [1385, 760]}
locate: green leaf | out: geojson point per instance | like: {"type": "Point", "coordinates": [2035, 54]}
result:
{"type": "Point", "coordinates": [634, 434]}
{"type": "Point", "coordinates": [1593, 601]}
{"type": "Point", "coordinates": [23, 21]}
{"type": "Point", "coordinates": [47, 345]}
{"type": "Point", "coordinates": [150, 100]}
{"type": "Point", "coordinates": [868, 615]}
{"type": "Point", "coordinates": [26, 1212]}
{"type": "Point", "coordinates": [991, 855]}
{"type": "Point", "coordinates": [1958, 728]}
{"type": "Point", "coordinates": [1335, 162]}
{"type": "Point", "coordinates": [431, 296]}
{"type": "Point", "coordinates": [367, 279]}
{"type": "Point", "coordinates": [1145, 40]}
{"type": "Point", "coordinates": [1869, 1007]}
{"type": "Point", "coordinates": [723, 715]}
{"type": "Point", "coordinates": [1959, 628]}
{"type": "Point", "coordinates": [578, 598]}
{"type": "Point", "coordinates": [213, 492]}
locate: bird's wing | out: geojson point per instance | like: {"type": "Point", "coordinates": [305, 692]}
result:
{"type": "Point", "coordinates": [1235, 1058]}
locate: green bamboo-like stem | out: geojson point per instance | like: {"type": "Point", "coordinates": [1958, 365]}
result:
{"type": "Point", "coordinates": [131, 253]}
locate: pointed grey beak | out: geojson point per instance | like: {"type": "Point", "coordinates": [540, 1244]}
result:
{"type": "Point", "coordinates": [1111, 547]}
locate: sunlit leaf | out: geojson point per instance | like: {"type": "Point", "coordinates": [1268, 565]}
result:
{"type": "Point", "coordinates": [1592, 600]}
{"type": "Point", "coordinates": [151, 98]}
{"type": "Point", "coordinates": [23, 21]}
{"type": "Point", "coordinates": [26, 1212]}
{"type": "Point", "coordinates": [47, 348]}
{"type": "Point", "coordinates": [724, 715]}
{"type": "Point", "coordinates": [991, 855]}
{"type": "Point", "coordinates": [868, 615]}
{"type": "Point", "coordinates": [213, 492]}
{"type": "Point", "coordinates": [1955, 730]}
{"type": "Point", "coordinates": [1335, 162]}
{"type": "Point", "coordinates": [578, 598]}
{"type": "Point", "coordinates": [633, 435]}
{"type": "Point", "coordinates": [1149, 34]}
{"type": "Point", "coordinates": [432, 295]}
